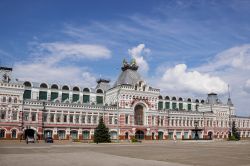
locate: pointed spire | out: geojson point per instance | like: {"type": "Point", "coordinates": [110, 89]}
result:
{"type": "Point", "coordinates": [229, 101]}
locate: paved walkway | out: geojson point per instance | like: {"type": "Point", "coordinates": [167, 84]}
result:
{"type": "Point", "coordinates": [157, 154]}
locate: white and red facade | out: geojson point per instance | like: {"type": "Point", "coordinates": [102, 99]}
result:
{"type": "Point", "coordinates": [130, 109]}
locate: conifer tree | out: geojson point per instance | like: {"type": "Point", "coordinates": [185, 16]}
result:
{"type": "Point", "coordinates": [101, 134]}
{"type": "Point", "coordinates": [235, 132]}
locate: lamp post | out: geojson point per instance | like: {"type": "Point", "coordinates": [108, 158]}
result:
{"type": "Point", "coordinates": [196, 136]}
{"type": "Point", "coordinates": [117, 118]}
{"type": "Point", "coordinates": [43, 112]}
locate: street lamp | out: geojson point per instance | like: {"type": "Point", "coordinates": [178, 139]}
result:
{"type": "Point", "coordinates": [196, 136]}
{"type": "Point", "coordinates": [43, 112]}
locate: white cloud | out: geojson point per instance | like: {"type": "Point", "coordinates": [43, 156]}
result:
{"type": "Point", "coordinates": [179, 78]}
{"type": "Point", "coordinates": [236, 57]}
{"type": "Point", "coordinates": [73, 50]}
{"type": "Point", "coordinates": [45, 72]}
{"type": "Point", "coordinates": [137, 53]}
{"type": "Point", "coordinates": [49, 57]}
{"type": "Point", "coordinates": [247, 86]}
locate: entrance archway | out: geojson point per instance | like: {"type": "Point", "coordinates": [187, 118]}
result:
{"type": "Point", "coordinates": [29, 133]}
{"type": "Point", "coordinates": [210, 135]}
{"type": "Point", "coordinates": [48, 133]}
{"type": "Point", "coordinates": [160, 135]}
{"type": "Point", "coordinates": [139, 134]}
{"type": "Point", "coordinates": [126, 135]}
{"type": "Point", "coordinates": [153, 136]}
{"type": "Point", "coordinates": [138, 115]}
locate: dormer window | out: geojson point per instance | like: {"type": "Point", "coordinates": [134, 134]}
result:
{"type": "Point", "coordinates": [65, 87]}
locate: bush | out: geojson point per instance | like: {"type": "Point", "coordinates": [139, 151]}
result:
{"type": "Point", "coordinates": [233, 138]}
{"type": "Point", "coordinates": [134, 140]}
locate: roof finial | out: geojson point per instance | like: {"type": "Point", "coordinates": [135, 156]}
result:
{"type": "Point", "coordinates": [228, 90]}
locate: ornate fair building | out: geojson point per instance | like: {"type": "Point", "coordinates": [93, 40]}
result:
{"type": "Point", "coordinates": [131, 109]}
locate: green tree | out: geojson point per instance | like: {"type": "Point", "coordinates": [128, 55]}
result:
{"type": "Point", "coordinates": [235, 134]}
{"type": "Point", "coordinates": [101, 133]}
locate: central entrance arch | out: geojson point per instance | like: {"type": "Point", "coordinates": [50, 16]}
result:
{"type": "Point", "coordinates": [138, 115]}
{"type": "Point", "coordinates": [29, 133]}
{"type": "Point", "coordinates": [139, 135]}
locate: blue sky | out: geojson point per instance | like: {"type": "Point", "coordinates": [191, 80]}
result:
{"type": "Point", "coordinates": [173, 41]}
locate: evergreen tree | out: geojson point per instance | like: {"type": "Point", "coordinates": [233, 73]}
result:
{"type": "Point", "coordinates": [235, 134]}
{"type": "Point", "coordinates": [101, 133]}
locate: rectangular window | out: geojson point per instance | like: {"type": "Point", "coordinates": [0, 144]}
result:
{"type": "Point", "coordinates": [162, 121]}
{"type": "Point", "coordinates": [53, 96]}
{"type": "Point", "coordinates": [65, 117]}
{"type": "Point", "coordinates": [173, 106]}
{"type": "Point", "coordinates": [95, 119]}
{"type": "Point", "coordinates": [51, 117]}
{"type": "Point", "coordinates": [77, 119]}
{"type": "Point", "coordinates": [58, 118]}
{"type": "Point", "coordinates": [116, 121]}
{"type": "Point", "coordinates": [167, 105]}
{"type": "Point", "coordinates": [189, 107]}
{"type": "Point", "coordinates": [153, 120]}
{"type": "Point", "coordinates": [180, 106]}
{"type": "Point", "coordinates": [65, 96]}
{"type": "Point", "coordinates": [26, 116]}
{"type": "Point", "coordinates": [33, 116]}
{"type": "Point", "coordinates": [71, 117]}
{"type": "Point", "coordinates": [14, 115]}
{"type": "Point", "coordinates": [89, 119]}
{"type": "Point", "coordinates": [160, 105]}
{"type": "Point", "coordinates": [126, 119]}
{"type": "Point", "coordinates": [3, 114]}
{"type": "Point", "coordinates": [45, 117]}
{"type": "Point", "coordinates": [42, 95]}
{"type": "Point", "coordinates": [99, 100]}
{"type": "Point", "coordinates": [83, 119]}
{"type": "Point", "coordinates": [27, 94]}
{"type": "Point", "coordinates": [85, 98]}
{"type": "Point", "coordinates": [75, 97]}
{"type": "Point", "coordinates": [110, 119]}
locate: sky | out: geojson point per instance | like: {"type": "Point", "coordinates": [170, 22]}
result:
{"type": "Point", "coordinates": [186, 48]}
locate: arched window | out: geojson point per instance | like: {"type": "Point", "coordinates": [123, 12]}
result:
{"type": "Point", "coordinates": [180, 99]}
{"type": "Point", "coordinates": [27, 84]}
{"type": "Point", "coordinates": [197, 101]}
{"type": "Point", "coordinates": [85, 134]}
{"type": "Point", "coordinates": [99, 91]}
{"type": "Point", "coordinates": [113, 135]}
{"type": "Point", "coordinates": [138, 115]}
{"type": "Point", "coordinates": [13, 134]}
{"type": "Point", "coordinates": [9, 100]}
{"type": "Point", "coordinates": [15, 100]}
{"type": "Point", "coordinates": [43, 85]}
{"type": "Point", "coordinates": [54, 86]}
{"type": "Point", "coordinates": [167, 98]}
{"type": "Point", "coordinates": [76, 88]}
{"type": "Point", "coordinates": [173, 98]}
{"type": "Point", "coordinates": [202, 101]}
{"type": "Point", "coordinates": [2, 133]}
{"type": "Point", "coordinates": [65, 87]}
{"type": "Point", "coordinates": [189, 100]}
{"type": "Point", "coordinates": [160, 97]}
{"type": "Point", "coordinates": [86, 90]}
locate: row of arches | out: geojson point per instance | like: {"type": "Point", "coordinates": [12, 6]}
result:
{"type": "Point", "coordinates": [9, 99]}
{"type": "Point", "coordinates": [13, 135]}
{"type": "Point", "coordinates": [64, 87]}
{"type": "Point", "coordinates": [181, 99]}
